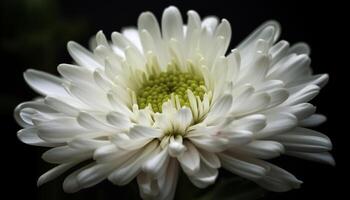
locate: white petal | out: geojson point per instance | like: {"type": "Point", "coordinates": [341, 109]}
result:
{"type": "Point", "coordinates": [101, 39]}
{"type": "Point", "coordinates": [70, 183]}
{"type": "Point", "coordinates": [24, 112]}
{"type": "Point", "coordinates": [277, 123]}
{"type": "Point", "coordinates": [210, 143]}
{"type": "Point", "coordinates": [131, 168]}
{"type": "Point", "coordinates": [82, 56]}
{"type": "Point", "coordinates": [278, 180]}
{"type": "Point", "coordinates": [323, 157]}
{"type": "Point", "coordinates": [277, 96]}
{"type": "Point", "coordinates": [118, 120]}
{"type": "Point", "coordinates": [205, 176]}
{"type": "Point", "coordinates": [278, 50]}
{"type": "Point", "coordinates": [251, 171]}
{"type": "Point", "coordinates": [89, 121]}
{"type": "Point", "coordinates": [30, 136]}
{"type": "Point", "coordinates": [219, 110]}
{"type": "Point", "coordinates": [304, 95]}
{"type": "Point", "coordinates": [269, 31]}
{"type": "Point", "coordinates": [252, 123]}
{"type": "Point", "coordinates": [61, 106]}
{"type": "Point", "coordinates": [134, 58]}
{"type": "Point", "coordinates": [132, 35]}
{"type": "Point", "coordinates": [75, 73]}
{"type": "Point", "coordinates": [54, 172]}
{"type": "Point", "coordinates": [313, 120]}
{"type": "Point", "coordinates": [300, 48]}
{"type": "Point", "coordinates": [91, 96]}
{"type": "Point", "coordinates": [172, 25]}
{"type": "Point", "coordinates": [93, 175]}
{"type": "Point", "coordinates": [301, 111]}
{"type": "Point", "coordinates": [182, 119]}
{"type": "Point", "coordinates": [44, 83]}
{"type": "Point", "coordinates": [190, 159]}
{"type": "Point", "coordinates": [305, 140]}
{"type": "Point", "coordinates": [210, 159]}
{"type": "Point", "coordinates": [167, 183]}
{"type": "Point", "coordinates": [87, 143]}
{"type": "Point", "coordinates": [255, 103]}
{"type": "Point", "coordinates": [157, 163]}
{"type": "Point", "coordinates": [262, 149]}
{"type": "Point", "coordinates": [224, 30]}
{"type": "Point", "coordinates": [139, 131]}
{"type": "Point", "coordinates": [210, 23]}
{"type": "Point", "coordinates": [176, 148]}
{"type": "Point", "coordinates": [65, 154]}
{"type": "Point", "coordinates": [60, 129]}
{"type": "Point", "coordinates": [234, 62]}
{"type": "Point", "coordinates": [147, 21]}
{"type": "Point", "coordinates": [147, 185]}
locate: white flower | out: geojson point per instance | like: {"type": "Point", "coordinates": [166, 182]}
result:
{"type": "Point", "coordinates": [159, 100]}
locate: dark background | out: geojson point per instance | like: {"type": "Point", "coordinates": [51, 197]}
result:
{"type": "Point", "coordinates": [34, 35]}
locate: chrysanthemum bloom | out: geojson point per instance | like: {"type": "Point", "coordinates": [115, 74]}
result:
{"type": "Point", "coordinates": [155, 101]}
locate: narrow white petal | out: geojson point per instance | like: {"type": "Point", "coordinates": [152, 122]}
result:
{"type": "Point", "coordinates": [132, 35]}
{"type": "Point", "coordinates": [147, 21]}
{"type": "Point", "coordinates": [210, 23]}
{"type": "Point", "coordinates": [92, 96]}
{"type": "Point", "coordinates": [61, 106]}
{"type": "Point", "coordinates": [246, 169]}
{"type": "Point", "coordinates": [131, 168]}
{"type": "Point", "coordinates": [118, 120]}
{"type": "Point", "coordinates": [205, 176]}
{"type": "Point", "coordinates": [277, 123]}
{"type": "Point", "coordinates": [182, 119]}
{"type": "Point", "coordinates": [87, 143]}
{"type": "Point", "coordinates": [65, 154]}
{"type": "Point", "coordinates": [93, 175]}
{"type": "Point", "coordinates": [304, 95]}
{"type": "Point", "coordinates": [54, 172]}
{"type": "Point", "coordinates": [168, 182]}
{"type": "Point", "coordinates": [70, 183]}
{"type": "Point", "coordinates": [172, 24]}
{"type": "Point", "coordinates": [219, 110]}
{"type": "Point", "coordinates": [210, 159]}
{"type": "Point", "coordinates": [190, 159]}
{"type": "Point", "coordinates": [262, 149]}
{"type": "Point", "coordinates": [44, 83]}
{"type": "Point", "coordinates": [147, 185]}
{"type": "Point", "coordinates": [313, 120]}
{"type": "Point", "coordinates": [75, 73]}
{"type": "Point", "coordinates": [90, 122]}
{"type": "Point", "coordinates": [252, 123]}
{"type": "Point", "coordinates": [157, 163]}
{"type": "Point", "coordinates": [60, 129]}
{"type": "Point", "coordinates": [82, 56]}
{"type": "Point", "coordinates": [210, 143]}
{"type": "Point", "coordinates": [139, 131]}
{"type": "Point", "coordinates": [278, 179]}
{"type": "Point", "coordinates": [304, 140]}
{"type": "Point", "coordinates": [176, 148]}
{"type": "Point", "coordinates": [300, 48]}
{"type": "Point", "coordinates": [30, 136]}
{"type": "Point", "coordinates": [323, 157]}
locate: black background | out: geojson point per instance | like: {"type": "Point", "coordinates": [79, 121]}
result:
{"type": "Point", "coordinates": [34, 35]}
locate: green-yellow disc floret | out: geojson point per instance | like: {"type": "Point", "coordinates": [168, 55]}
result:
{"type": "Point", "coordinates": [159, 88]}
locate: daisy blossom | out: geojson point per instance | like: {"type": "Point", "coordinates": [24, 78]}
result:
{"type": "Point", "coordinates": [154, 101]}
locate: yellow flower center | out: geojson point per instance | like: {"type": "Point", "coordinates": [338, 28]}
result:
{"type": "Point", "coordinates": [159, 89]}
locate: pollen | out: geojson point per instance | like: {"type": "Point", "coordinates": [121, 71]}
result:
{"type": "Point", "coordinates": [159, 89]}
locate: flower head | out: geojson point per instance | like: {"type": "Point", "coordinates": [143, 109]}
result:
{"type": "Point", "coordinates": [154, 101]}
